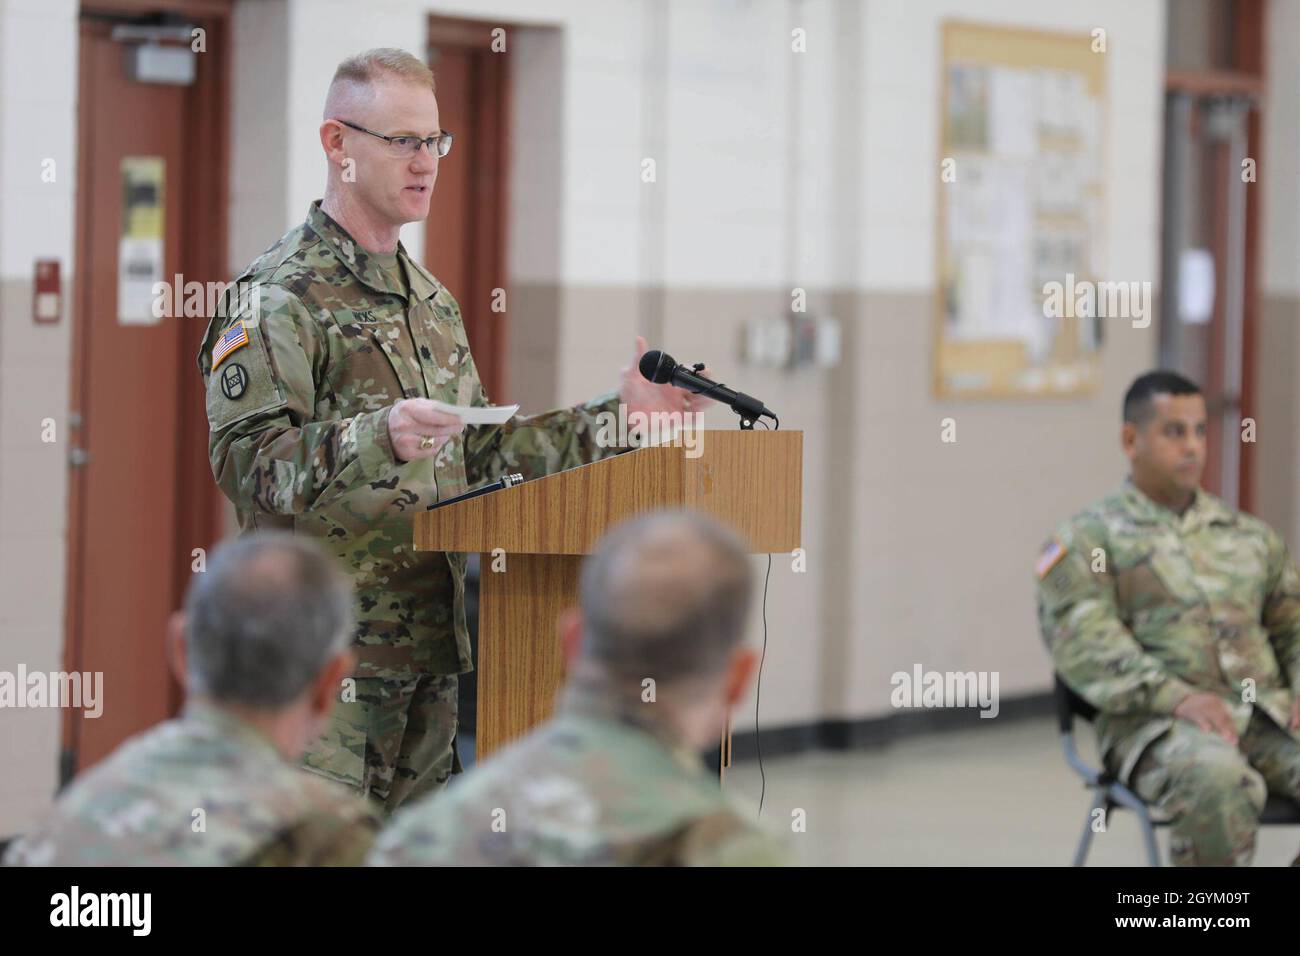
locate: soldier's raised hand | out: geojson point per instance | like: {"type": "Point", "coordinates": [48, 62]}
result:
{"type": "Point", "coordinates": [417, 429]}
{"type": "Point", "coordinates": [1208, 712]}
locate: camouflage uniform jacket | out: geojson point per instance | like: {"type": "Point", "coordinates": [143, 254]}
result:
{"type": "Point", "coordinates": [1140, 607]}
{"type": "Point", "coordinates": [298, 407]}
{"type": "Point", "coordinates": [139, 806]}
{"type": "Point", "coordinates": [594, 786]}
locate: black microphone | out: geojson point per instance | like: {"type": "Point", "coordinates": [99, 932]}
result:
{"type": "Point", "coordinates": [662, 369]}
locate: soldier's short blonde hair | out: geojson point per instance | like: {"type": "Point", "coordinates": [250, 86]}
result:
{"type": "Point", "coordinates": [367, 67]}
{"type": "Point", "coordinates": [354, 80]}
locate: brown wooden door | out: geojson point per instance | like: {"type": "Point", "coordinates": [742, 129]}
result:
{"type": "Point", "coordinates": [465, 237]}
{"type": "Point", "coordinates": [137, 505]}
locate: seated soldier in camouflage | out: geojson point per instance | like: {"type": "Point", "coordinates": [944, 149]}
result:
{"type": "Point", "coordinates": [1178, 618]}
{"type": "Point", "coordinates": [656, 661]}
{"type": "Point", "coordinates": [262, 648]}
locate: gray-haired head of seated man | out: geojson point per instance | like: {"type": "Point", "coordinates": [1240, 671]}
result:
{"type": "Point", "coordinates": [665, 599]}
{"type": "Point", "coordinates": [265, 633]}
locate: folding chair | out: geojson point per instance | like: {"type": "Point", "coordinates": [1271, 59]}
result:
{"type": "Point", "coordinates": [1108, 793]}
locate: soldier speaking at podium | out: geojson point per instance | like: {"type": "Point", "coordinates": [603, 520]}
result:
{"type": "Point", "coordinates": [321, 385]}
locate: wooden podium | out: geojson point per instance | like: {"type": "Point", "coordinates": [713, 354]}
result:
{"type": "Point", "coordinates": [748, 480]}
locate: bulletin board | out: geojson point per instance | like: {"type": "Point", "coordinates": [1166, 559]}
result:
{"type": "Point", "coordinates": [1022, 139]}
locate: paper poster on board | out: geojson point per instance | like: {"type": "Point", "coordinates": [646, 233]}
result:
{"type": "Point", "coordinates": [140, 248]}
{"type": "Point", "coordinates": [1021, 211]}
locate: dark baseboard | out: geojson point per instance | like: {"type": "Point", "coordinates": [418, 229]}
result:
{"type": "Point", "coordinates": [869, 732]}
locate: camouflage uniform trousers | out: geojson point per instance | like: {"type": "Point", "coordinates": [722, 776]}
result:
{"type": "Point", "coordinates": [1214, 792]}
{"type": "Point", "coordinates": [395, 742]}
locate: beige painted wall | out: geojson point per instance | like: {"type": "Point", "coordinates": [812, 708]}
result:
{"type": "Point", "coordinates": [917, 551]}
{"type": "Point", "coordinates": [37, 123]}
{"type": "Point", "coordinates": [1277, 397]}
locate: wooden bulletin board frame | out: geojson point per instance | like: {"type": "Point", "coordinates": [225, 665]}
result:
{"type": "Point", "coordinates": [1005, 367]}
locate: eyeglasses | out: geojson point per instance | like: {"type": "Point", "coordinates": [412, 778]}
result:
{"type": "Point", "coordinates": [404, 146]}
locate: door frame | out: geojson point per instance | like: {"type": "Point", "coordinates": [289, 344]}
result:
{"type": "Point", "coordinates": [199, 510]}
{"type": "Point", "coordinates": [1246, 76]}
{"type": "Point", "coordinates": [488, 208]}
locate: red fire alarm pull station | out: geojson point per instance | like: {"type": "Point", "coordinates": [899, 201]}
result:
{"type": "Point", "coordinates": [47, 299]}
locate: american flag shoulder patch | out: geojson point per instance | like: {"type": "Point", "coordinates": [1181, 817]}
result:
{"type": "Point", "coordinates": [1050, 558]}
{"type": "Point", "coordinates": [232, 340]}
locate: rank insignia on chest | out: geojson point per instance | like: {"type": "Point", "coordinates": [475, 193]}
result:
{"type": "Point", "coordinates": [231, 341]}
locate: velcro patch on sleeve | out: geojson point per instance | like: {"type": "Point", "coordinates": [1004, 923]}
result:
{"type": "Point", "coordinates": [244, 385]}
{"type": "Point", "coordinates": [1065, 575]}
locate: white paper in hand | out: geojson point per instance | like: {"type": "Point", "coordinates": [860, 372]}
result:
{"type": "Point", "coordinates": [470, 415]}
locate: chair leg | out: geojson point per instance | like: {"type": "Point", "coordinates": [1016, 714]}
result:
{"type": "Point", "coordinates": [1149, 835]}
{"type": "Point", "coordinates": [1127, 798]}
{"type": "Point", "coordinates": [1085, 842]}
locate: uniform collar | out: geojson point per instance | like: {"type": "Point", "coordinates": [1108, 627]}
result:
{"type": "Point", "coordinates": [224, 725]}
{"type": "Point", "coordinates": [361, 264]}
{"type": "Point", "coordinates": [423, 284]}
{"type": "Point", "coordinates": [585, 699]}
{"type": "Point", "coordinates": [1205, 509]}
{"type": "Point", "coordinates": [1141, 508]}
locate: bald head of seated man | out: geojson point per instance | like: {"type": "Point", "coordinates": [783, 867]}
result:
{"type": "Point", "coordinates": [656, 660]}
{"type": "Point", "coordinates": [262, 648]}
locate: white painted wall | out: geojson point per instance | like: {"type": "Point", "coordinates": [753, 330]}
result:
{"type": "Point", "coordinates": [38, 91]}
{"type": "Point", "coordinates": [259, 205]}
{"type": "Point", "coordinates": [950, 531]}
{"type": "Point", "coordinates": [901, 50]}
